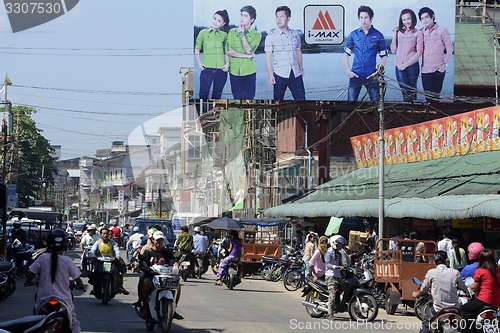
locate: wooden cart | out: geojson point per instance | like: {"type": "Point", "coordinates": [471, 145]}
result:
{"type": "Point", "coordinates": [395, 269]}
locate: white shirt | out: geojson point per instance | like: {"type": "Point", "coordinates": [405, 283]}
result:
{"type": "Point", "coordinates": [445, 245]}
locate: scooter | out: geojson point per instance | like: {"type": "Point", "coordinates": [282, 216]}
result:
{"type": "Point", "coordinates": [102, 279]}
{"type": "Point", "coordinates": [161, 301]}
{"type": "Point", "coordinates": [58, 306]}
{"type": "Point", "coordinates": [356, 298]}
{"type": "Point", "coordinates": [185, 265]}
{"type": "Point", "coordinates": [33, 324]}
{"type": "Point", "coordinates": [232, 277]}
{"type": "Point", "coordinates": [423, 303]}
{"type": "Point", "coordinates": [7, 279]}
{"type": "Point", "coordinates": [133, 260]}
{"type": "Point", "coordinates": [202, 263]}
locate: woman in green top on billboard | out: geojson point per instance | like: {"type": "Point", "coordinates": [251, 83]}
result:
{"type": "Point", "coordinates": [215, 63]}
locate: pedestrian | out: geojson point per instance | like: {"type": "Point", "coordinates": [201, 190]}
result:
{"type": "Point", "coordinates": [284, 58]}
{"type": "Point", "coordinates": [458, 257]}
{"type": "Point", "coordinates": [407, 44]}
{"type": "Point", "coordinates": [437, 40]}
{"type": "Point", "coordinates": [242, 42]}
{"type": "Point", "coordinates": [364, 43]}
{"type": "Point", "coordinates": [308, 252]}
{"type": "Point", "coordinates": [215, 63]}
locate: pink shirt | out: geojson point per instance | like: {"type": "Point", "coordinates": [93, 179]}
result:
{"type": "Point", "coordinates": [407, 45]}
{"type": "Point", "coordinates": [436, 40]}
{"type": "Point", "coordinates": [65, 269]}
{"type": "Point", "coordinates": [318, 264]}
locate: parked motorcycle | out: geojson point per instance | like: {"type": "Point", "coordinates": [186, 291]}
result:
{"type": "Point", "coordinates": [161, 302]}
{"type": "Point", "coordinates": [356, 298]}
{"type": "Point", "coordinates": [33, 324]}
{"type": "Point", "coordinates": [7, 279]}
{"type": "Point", "coordinates": [103, 280]}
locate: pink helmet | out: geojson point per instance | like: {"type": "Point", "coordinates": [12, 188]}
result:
{"type": "Point", "coordinates": [474, 249]}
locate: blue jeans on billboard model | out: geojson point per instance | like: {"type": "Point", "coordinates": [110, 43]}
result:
{"type": "Point", "coordinates": [433, 83]}
{"type": "Point", "coordinates": [295, 84]}
{"type": "Point", "coordinates": [209, 76]}
{"type": "Point", "coordinates": [407, 79]}
{"type": "Point", "coordinates": [355, 85]}
{"type": "Point", "coordinates": [243, 87]}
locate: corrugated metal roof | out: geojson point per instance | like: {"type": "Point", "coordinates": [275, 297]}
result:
{"type": "Point", "coordinates": [429, 184]}
{"type": "Point", "coordinates": [73, 173]}
{"type": "Point", "coordinates": [474, 55]}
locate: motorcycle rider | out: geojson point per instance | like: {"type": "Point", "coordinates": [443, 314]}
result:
{"type": "Point", "coordinates": [16, 233]}
{"type": "Point", "coordinates": [474, 249]}
{"type": "Point", "coordinates": [200, 244]}
{"type": "Point", "coordinates": [333, 278]}
{"type": "Point", "coordinates": [88, 239]}
{"type": "Point", "coordinates": [486, 284]}
{"type": "Point", "coordinates": [234, 256]}
{"type": "Point", "coordinates": [184, 245]}
{"type": "Point", "coordinates": [103, 247]}
{"type": "Point", "coordinates": [443, 283]}
{"type": "Point", "coordinates": [54, 270]}
{"type": "Point", "coordinates": [134, 242]}
{"type": "Point", "coordinates": [116, 232]}
{"type": "Point", "coordinates": [158, 253]}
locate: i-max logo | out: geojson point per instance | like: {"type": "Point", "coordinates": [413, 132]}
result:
{"type": "Point", "coordinates": [324, 24]}
{"type": "Point", "coordinates": [26, 14]}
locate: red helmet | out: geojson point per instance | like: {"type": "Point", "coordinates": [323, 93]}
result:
{"type": "Point", "coordinates": [474, 249]}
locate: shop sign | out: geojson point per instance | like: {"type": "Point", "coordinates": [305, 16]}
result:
{"type": "Point", "coordinates": [475, 223]}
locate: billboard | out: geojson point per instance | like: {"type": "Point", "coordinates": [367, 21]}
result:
{"type": "Point", "coordinates": [470, 132]}
{"type": "Point", "coordinates": [317, 52]}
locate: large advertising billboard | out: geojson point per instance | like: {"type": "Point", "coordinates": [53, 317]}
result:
{"type": "Point", "coordinates": [323, 51]}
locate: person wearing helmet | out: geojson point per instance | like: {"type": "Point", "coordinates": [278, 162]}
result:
{"type": "Point", "coordinates": [54, 270]}
{"type": "Point", "coordinates": [473, 250]}
{"type": "Point", "coordinates": [134, 242]}
{"type": "Point", "coordinates": [147, 241]}
{"type": "Point", "coordinates": [334, 264]}
{"type": "Point", "coordinates": [443, 283]}
{"type": "Point", "coordinates": [87, 241]}
{"type": "Point", "coordinates": [17, 232]}
{"type": "Point", "coordinates": [199, 242]}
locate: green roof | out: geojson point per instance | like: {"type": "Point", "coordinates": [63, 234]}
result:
{"type": "Point", "coordinates": [441, 187]}
{"type": "Point", "coordinates": [474, 56]}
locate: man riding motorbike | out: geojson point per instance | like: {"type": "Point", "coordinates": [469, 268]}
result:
{"type": "Point", "coordinates": [444, 283]}
{"type": "Point", "coordinates": [333, 278]}
{"type": "Point", "coordinates": [158, 253]}
{"type": "Point", "coordinates": [184, 245]}
{"type": "Point", "coordinates": [134, 242]}
{"type": "Point", "coordinates": [200, 247]}
{"type": "Point", "coordinates": [103, 247]}
{"type": "Point", "coordinates": [55, 270]}
{"type": "Point", "coordinates": [88, 240]}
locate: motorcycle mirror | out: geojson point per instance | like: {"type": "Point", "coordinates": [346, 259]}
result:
{"type": "Point", "coordinates": [417, 281]}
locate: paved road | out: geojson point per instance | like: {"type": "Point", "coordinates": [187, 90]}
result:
{"type": "Point", "coordinates": [254, 306]}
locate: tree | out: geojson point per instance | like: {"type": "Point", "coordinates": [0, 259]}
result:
{"type": "Point", "coordinates": [34, 163]}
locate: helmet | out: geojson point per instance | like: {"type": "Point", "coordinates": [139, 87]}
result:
{"type": "Point", "coordinates": [17, 224]}
{"type": "Point", "coordinates": [92, 227]}
{"type": "Point", "coordinates": [151, 232]}
{"type": "Point", "coordinates": [474, 249]}
{"type": "Point", "coordinates": [197, 229]}
{"type": "Point", "coordinates": [337, 239]}
{"type": "Point", "coordinates": [57, 240]}
{"type": "Point", "coordinates": [135, 229]}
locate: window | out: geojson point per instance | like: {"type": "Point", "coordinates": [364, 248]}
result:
{"type": "Point", "coordinates": [194, 146]}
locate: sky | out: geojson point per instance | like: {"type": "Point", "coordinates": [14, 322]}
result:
{"type": "Point", "coordinates": [105, 67]}
{"type": "Point", "coordinates": [100, 70]}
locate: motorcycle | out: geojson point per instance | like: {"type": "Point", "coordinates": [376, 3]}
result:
{"type": "Point", "coordinates": [267, 266]}
{"type": "Point", "coordinates": [232, 277]}
{"type": "Point", "coordinates": [103, 280]}
{"type": "Point", "coordinates": [423, 303]}
{"type": "Point", "coordinates": [7, 279]}
{"type": "Point", "coordinates": [356, 298]}
{"type": "Point", "coordinates": [22, 255]}
{"type": "Point", "coordinates": [59, 307]}
{"type": "Point", "coordinates": [185, 265]}
{"type": "Point", "coordinates": [133, 260]}
{"type": "Point", "coordinates": [161, 301]}
{"type": "Point", "coordinates": [202, 263]}
{"type": "Point", "coordinates": [33, 324]}
{"type": "Point", "coordinates": [85, 261]}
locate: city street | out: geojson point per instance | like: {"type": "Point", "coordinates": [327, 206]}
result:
{"type": "Point", "coordinates": [255, 305]}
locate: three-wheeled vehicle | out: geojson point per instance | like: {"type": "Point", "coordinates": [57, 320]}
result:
{"type": "Point", "coordinates": [395, 269]}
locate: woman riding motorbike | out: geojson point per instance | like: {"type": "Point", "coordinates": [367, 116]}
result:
{"type": "Point", "coordinates": [55, 270]}
{"type": "Point", "coordinates": [486, 284]}
{"type": "Point", "coordinates": [234, 255]}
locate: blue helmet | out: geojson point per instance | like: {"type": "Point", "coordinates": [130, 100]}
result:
{"type": "Point", "coordinates": [136, 229]}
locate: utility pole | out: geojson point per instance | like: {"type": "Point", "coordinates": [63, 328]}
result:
{"type": "Point", "coordinates": [6, 126]}
{"type": "Point", "coordinates": [381, 194]}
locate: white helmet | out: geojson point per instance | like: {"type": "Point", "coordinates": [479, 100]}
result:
{"type": "Point", "coordinates": [197, 229]}
{"type": "Point", "coordinates": [337, 239]}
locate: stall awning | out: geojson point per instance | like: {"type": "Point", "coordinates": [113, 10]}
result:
{"type": "Point", "coordinates": [453, 187]}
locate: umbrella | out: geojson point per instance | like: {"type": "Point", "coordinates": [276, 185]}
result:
{"type": "Point", "coordinates": [225, 223]}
